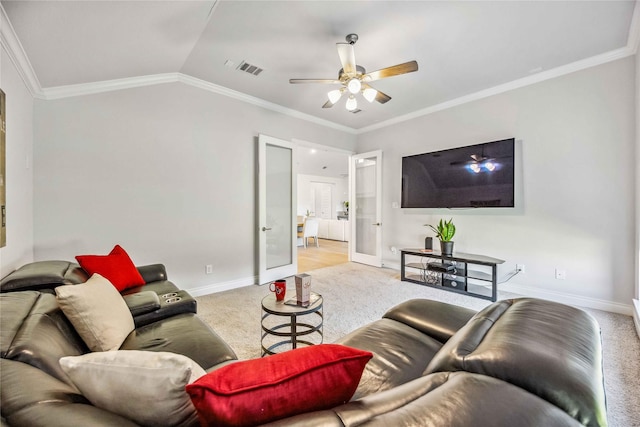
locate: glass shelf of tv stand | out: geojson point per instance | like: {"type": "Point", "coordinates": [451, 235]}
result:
{"type": "Point", "coordinates": [462, 279]}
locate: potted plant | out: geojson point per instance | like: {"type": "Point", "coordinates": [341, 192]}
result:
{"type": "Point", "coordinates": [445, 232]}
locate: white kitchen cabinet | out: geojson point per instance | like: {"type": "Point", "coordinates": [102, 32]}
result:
{"type": "Point", "coordinates": [323, 228]}
{"type": "Point", "coordinates": [334, 229]}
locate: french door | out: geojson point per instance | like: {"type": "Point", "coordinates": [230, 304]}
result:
{"type": "Point", "coordinates": [365, 208]}
{"type": "Point", "coordinates": [277, 225]}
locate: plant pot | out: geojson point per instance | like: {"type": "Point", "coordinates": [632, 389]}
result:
{"type": "Point", "coordinates": [446, 248]}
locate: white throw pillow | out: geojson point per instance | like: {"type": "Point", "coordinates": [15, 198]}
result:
{"type": "Point", "coordinates": [97, 311]}
{"type": "Point", "coordinates": [144, 386]}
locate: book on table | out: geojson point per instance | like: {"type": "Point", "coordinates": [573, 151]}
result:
{"type": "Point", "coordinates": [313, 297]}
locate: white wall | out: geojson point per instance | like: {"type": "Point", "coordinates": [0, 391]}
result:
{"type": "Point", "coordinates": [576, 198]}
{"type": "Point", "coordinates": [19, 179]}
{"type": "Point", "coordinates": [305, 198]}
{"type": "Point", "coordinates": [167, 171]}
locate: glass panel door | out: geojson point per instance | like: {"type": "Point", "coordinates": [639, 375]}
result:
{"type": "Point", "coordinates": [365, 208]}
{"type": "Point", "coordinates": [277, 222]}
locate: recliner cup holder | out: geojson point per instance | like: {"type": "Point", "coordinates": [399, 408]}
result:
{"type": "Point", "coordinates": [169, 295]}
{"type": "Point", "coordinates": [172, 300]}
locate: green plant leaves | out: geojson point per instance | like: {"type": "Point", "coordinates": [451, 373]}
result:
{"type": "Point", "coordinates": [445, 230]}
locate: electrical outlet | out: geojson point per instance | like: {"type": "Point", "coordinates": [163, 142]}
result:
{"type": "Point", "coordinates": [208, 269]}
{"type": "Point", "coordinates": [394, 250]}
{"type": "Point", "coordinates": [520, 268]}
{"type": "Point", "coordinates": [561, 274]}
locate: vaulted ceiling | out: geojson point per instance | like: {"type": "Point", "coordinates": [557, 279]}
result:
{"type": "Point", "coordinates": [464, 49]}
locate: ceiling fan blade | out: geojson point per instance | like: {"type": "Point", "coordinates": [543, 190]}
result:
{"type": "Point", "coordinates": [347, 58]}
{"type": "Point", "coordinates": [382, 98]}
{"type": "Point", "coordinates": [324, 81]}
{"type": "Point", "coordinates": [396, 70]}
{"type": "Point", "coordinates": [328, 104]}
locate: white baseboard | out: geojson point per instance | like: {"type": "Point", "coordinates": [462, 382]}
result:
{"type": "Point", "coordinates": [636, 315]}
{"type": "Point", "coordinates": [528, 291]}
{"type": "Point", "coordinates": [392, 266]}
{"type": "Point", "coordinates": [224, 286]}
{"type": "Point", "coordinates": [570, 299]}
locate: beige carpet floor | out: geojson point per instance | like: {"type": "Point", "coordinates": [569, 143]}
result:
{"type": "Point", "coordinates": [355, 294]}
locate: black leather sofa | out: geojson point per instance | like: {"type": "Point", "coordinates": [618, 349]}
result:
{"type": "Point", "coordinates": [522, 362]}
{"type": "Point", "coordinates": [157, 299]}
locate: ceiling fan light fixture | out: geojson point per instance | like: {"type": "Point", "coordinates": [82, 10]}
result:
{"type": "Point", "coordinates": [355, 79]}
{"type": "Point", "coordinates": [354, 85]}
{"type": "Point", "coordinates": [370, 94]}
{"type": "Point", "coordinates": [475, 167]}
{"type": "Point", "coordinates": [334, 95]}
{"type": "Point", "coordinates": [352, 104]}
{"type": "Point", "coordinates": [490, 166]}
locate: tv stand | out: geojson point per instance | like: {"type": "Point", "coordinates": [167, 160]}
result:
{"type": "Point", "coordinates": [452, 272]}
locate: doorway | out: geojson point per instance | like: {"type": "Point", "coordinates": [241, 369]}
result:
{"type": "Point", "coordinates": [323, 189]}
{"type": "Point", "coordinates": [328, 253]}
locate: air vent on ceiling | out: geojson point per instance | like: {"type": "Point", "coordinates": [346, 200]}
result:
{"type": "Point", "coordinates": [249, 68]}
{"type": "Point", "coordinates": [356, 111]}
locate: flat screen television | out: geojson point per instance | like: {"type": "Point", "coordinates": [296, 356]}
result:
{"type": "Point", "coordinates": [476, 176]}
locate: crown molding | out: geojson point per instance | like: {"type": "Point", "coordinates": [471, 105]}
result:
{"type": "Point", "coordinates": [14, 49]}
{"type": "Point", "coordinates": [221, 90]}
{"type": "Point", "coordinates": [133, 82]}
{"type": "Point", "coordinates": [68, 91]}
{"type": "Point", "coordinates": [81, 89]}
{"type": "Point", "coordinates": [613, 55]}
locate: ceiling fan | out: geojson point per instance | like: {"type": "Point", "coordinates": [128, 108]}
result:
{"type": "Point", "coordinates": [354, 78]}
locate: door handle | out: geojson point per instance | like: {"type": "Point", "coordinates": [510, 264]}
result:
{"type": "Point", "coordinates": [266, 228]}
{"type": "Point", "coordinates": [377, 223]}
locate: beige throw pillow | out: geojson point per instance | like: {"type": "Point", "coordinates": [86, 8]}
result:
{"type": "Point", "coordinates": [98, 313]}
{"type": "Point", "coordinates": [144, 386]}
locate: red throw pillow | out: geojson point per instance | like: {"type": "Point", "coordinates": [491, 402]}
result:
{"type": "Point", "coordinates": [262, 390]}
{"type": "Point", "coordinates": [116, 267]}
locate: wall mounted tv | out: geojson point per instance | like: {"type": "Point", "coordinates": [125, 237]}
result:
{"type": "Point", "coordinates": [476, 176]}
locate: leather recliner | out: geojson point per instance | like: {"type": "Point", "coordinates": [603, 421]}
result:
{"type": "Point", "coordinates": [159, 298]}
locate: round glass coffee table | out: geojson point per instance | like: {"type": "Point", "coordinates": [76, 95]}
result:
{"type": "Point", "coordinates": [285, 327]}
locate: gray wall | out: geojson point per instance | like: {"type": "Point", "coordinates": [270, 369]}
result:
{"type": "Point", "coordinates": [19, 179]}
{"type": "Point", "coordinates": [167, 171]}
{"type": "Point", "coordinates": [575, 191]}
